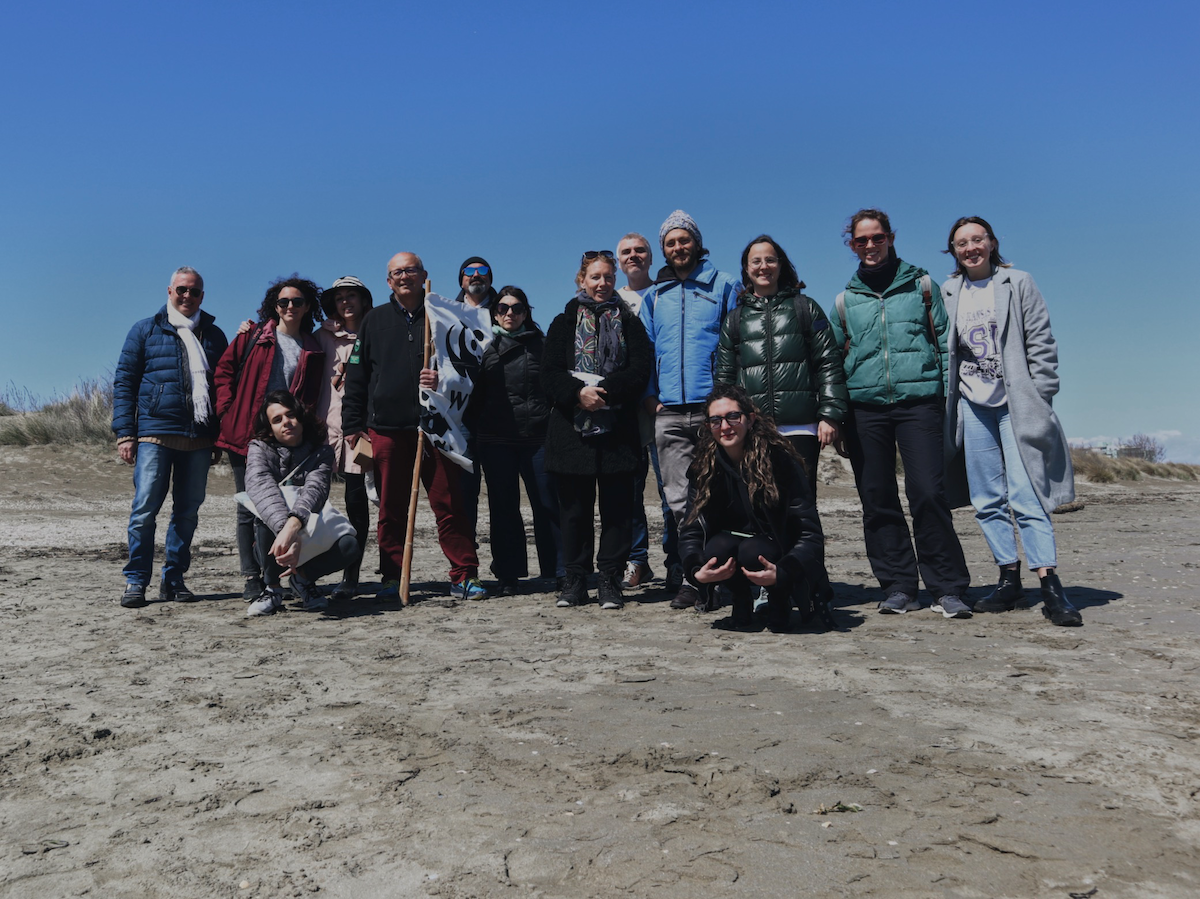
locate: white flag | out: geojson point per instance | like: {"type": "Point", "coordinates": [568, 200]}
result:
{"type": "Point", "coordinates": [460, 334]}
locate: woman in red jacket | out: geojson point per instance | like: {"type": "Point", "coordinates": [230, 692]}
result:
{"type": "Point", "coordinates": [279, 354]}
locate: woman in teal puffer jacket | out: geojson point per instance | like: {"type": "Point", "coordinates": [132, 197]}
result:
{"type": "Point", "coordinates": [892, 324]}
{"type": "Point", "coordinates": [777, 345]}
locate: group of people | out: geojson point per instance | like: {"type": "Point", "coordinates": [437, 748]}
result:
{"type": "Point", "coordinates": [726, 386]}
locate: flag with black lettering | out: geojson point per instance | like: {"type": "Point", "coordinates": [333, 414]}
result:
{"type": "Point", "coordinates": [460, 334]}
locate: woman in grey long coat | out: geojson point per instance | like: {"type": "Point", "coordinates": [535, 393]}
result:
{"type": "Point", "coordinates": [1003, 375]}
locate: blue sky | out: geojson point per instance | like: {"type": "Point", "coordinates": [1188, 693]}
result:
{"type": "Point", "coordinates": [251, 140]}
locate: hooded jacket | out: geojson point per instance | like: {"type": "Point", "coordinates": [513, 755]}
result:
{"type": "Point", "coordinates": [893, 358]}
{"type": "Point", "coordinates": [152, 394]}
{"type": "Point", "coordinates": [794, 374]}
{"type": "Point", "coordinates": [683, 321]}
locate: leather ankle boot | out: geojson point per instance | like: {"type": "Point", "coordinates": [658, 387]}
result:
{"type": "Point", "coordinates": [1006, 596]}
{"type": "Point", "coordinates": [1055, 605]}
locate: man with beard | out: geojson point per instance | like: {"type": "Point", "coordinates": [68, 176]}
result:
{"type": "Point", "coordinates": [682, 312]}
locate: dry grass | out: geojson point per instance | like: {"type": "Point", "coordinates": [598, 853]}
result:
{"type": "Point", "coordinates": [1100, 469]}
{"type": "Point", "coordinates": [83, 417]}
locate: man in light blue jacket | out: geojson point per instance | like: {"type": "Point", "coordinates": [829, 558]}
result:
{"type": "Point", "coordinates": [682, 312]}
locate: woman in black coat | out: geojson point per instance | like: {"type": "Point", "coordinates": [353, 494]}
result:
{"type": "Point", "coordinates": [508, 416]}
{"type": "Point", "coordinates": [751, 520]}
{"type": "Point", "coordinates": [594, 370]}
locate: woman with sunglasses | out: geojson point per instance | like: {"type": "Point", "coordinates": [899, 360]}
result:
{"type": "Point", "coordinates": [594, 370]}
{"type": "Point", "coordinates": [289, 447]}
{"type": "Point", "coordinates": [508, 414]}
{"type": "Point", "coordinates": [1003, 375]}
{"type": "Point", "coordinates": [751, 520]}
{"type": "Point", "coordinates": [279, 354]}
{"type": "Point", "coordinates": [891, 325]}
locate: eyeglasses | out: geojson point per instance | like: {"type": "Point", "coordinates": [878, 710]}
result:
{"type": "Point", "coordinates": [184, 291]}
{"type": "Point", "coordinates": [596, 254]}
{"type": "Point", "coordinates": [715, 421]}
{"type": "Point", "coordinates": [284, 302]}
{"type": "Point", "coordinates": [411, 270]}
{"type": "Point", "coordinates": [973, 242]}
{"type": "Point", "coordinates": [476, 270]}
{"type": "Point", "coordinates": [511, 308]}
{"type": "Point", "coordinates": [875, 240]}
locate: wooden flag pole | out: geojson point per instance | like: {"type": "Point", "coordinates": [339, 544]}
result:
{"type": "Point", "coordinates": [406, 569]}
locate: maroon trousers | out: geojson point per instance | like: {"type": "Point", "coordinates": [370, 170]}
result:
{"type": "Point", "coordinates": [394, 454]}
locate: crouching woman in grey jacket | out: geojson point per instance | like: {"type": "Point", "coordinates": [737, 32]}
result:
{"type": "Point", "coordinates": [289, 443]}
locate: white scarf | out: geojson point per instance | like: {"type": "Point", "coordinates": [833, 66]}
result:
{"type": "Point", "coordinates": [197, 362]}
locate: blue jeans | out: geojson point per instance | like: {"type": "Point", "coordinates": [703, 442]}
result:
{"type": "Point", "coordinates": [640, 551]}
{"type": "Point", "coordinates": [505, 467]}
{"type": "Point", "coordinates": [1001, 489]}
{"type": "Point", "coordinates": [186, 471]}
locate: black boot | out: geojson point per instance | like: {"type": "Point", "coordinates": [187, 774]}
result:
{"type": "Point", "coordinates": [1008, 593]}
{"type": "Point", "coordinates": [779, 611]}
{"type": "Point", "coordinates": [1055, 604]}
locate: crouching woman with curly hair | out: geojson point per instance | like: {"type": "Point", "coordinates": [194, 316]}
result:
{"type": "Point", "coordinates": [751, 520]}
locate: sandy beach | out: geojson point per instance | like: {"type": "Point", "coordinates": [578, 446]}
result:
{"type": "Point", "coordinates": [510, 748]}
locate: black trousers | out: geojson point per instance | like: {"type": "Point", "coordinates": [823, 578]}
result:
{"type": "Point", "coordinates": [809, 448]}
{"type": "Point", "coordinates": [358, 510]}
{"type": "Point", "coordinates": [872, 437]}
{"type": "Point", "coordinates": [577, 503]}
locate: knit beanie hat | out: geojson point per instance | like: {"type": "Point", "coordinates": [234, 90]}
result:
{"type": "Point", "coordinates": [475, 260]}
{"type": "Point", "coordinates": [679, 219]}
{"type": "Point", "coordinates": [350, 282]}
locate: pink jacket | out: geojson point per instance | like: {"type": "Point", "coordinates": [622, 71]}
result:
{"type": "Point", "coordinates": [338, 343]}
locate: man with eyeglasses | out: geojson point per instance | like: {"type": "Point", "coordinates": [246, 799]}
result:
{"type": "Point", "coordinates": [383, 381]}
{"type": "Point", "coordinates": [682, 311]}
{"type": "Point", "coordinates": [634, 256]}
{"type": "Point", "coordinates": [164, 419]}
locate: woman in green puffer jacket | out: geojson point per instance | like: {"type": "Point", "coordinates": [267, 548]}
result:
{"type": "Point", "coordinates": [777, 345]}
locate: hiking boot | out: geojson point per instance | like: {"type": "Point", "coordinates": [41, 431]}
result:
{"type": "Point", "coordinates": [269, 602]}
{"type": "Point", "coordinates": [952, 607]}
{"type": "Point", "coordinates": [1007, 595]}
{"type": "Point", "coordinates": [686, 598]}
{"type": "Point", "coordinates": [345, 591]}
{"type": "Point", "coordinates": [1055, 604]}
{"type": "Point", "coordinates": [175, 593]}
{"type": "Point", "coordinates": [675, 578]}
{"type": "Point", "coordinates": [898, 604]}
{"type": "Point", "coordinates": [507, 586]}
{"type": "Point", "coordinates": [469, 588]}
{"type": "Point", "coordinates": [253, 588]}
{"type": "Point", "coordinates": [609, 591]}
{"type": "Point", "coordinates": [134, 596]}
{"type": "Point", "coordinates": [636, 574]}
{"type": "Point", "coordinates": [309, 594]}
{"type": "Point", "coordinates": [390, 589]}
{"type": "Point", "coordinates": [574, 592]}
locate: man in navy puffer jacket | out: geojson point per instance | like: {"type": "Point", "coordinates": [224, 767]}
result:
{"type": "Point", "coordinates": [165, 424]}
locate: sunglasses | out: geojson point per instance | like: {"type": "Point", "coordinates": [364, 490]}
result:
{"type": "Point", "coordinates": [513, 308]}
{"type": "Point", "coordinates": [597, 254]}
{"type": "Point", "coordinates": [184, 291]}
{"type": "Point", "coordinates": [715, 421]}
{"type": "Point", "coordinates": [476, 270]}
{"type": "Point", "coordinates": [284, 302]}
{"type": "Point", "coordinates": [875, 240]}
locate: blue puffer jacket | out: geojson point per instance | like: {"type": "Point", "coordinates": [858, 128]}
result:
{"type": "Point", "coordinates": [683, 320]}
{"type": "Point", "coordinates": [151, 391]}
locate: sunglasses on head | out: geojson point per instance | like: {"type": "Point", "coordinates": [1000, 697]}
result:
{"type": "Point", "coordinates": [184, 291]}
{"type": "Point", "coordinates": [715, 421]}
{"type": "Point", "coordinates": [514, 308]}
{"type": "Point", "coordinates": [597, 254]}
{"type": "Point", "coordinates": [476, 270]}
{"type": "Point", "coordinates": [877, 240]}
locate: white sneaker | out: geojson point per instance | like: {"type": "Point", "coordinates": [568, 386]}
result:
{"type": "Point", "coordinates": [268, 603]}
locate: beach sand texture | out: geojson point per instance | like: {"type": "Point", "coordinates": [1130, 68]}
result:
{"type": "Point", "coordinates": [509, 748]}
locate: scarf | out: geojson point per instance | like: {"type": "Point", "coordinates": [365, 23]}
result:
{"type": "Point", "coordinates": [599, 351]}
{"type": "Point", "coordinates": [504, 332]}
{"type": "Point", "coordinates": [197, 362]}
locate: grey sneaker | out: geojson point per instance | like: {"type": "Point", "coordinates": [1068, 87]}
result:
{"type": "Point", "coordinates": [952, 607]}
{"type": "Point", "coordinates": [898, 604]}
{"type": "Point", "coordinates": [268, 603]}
